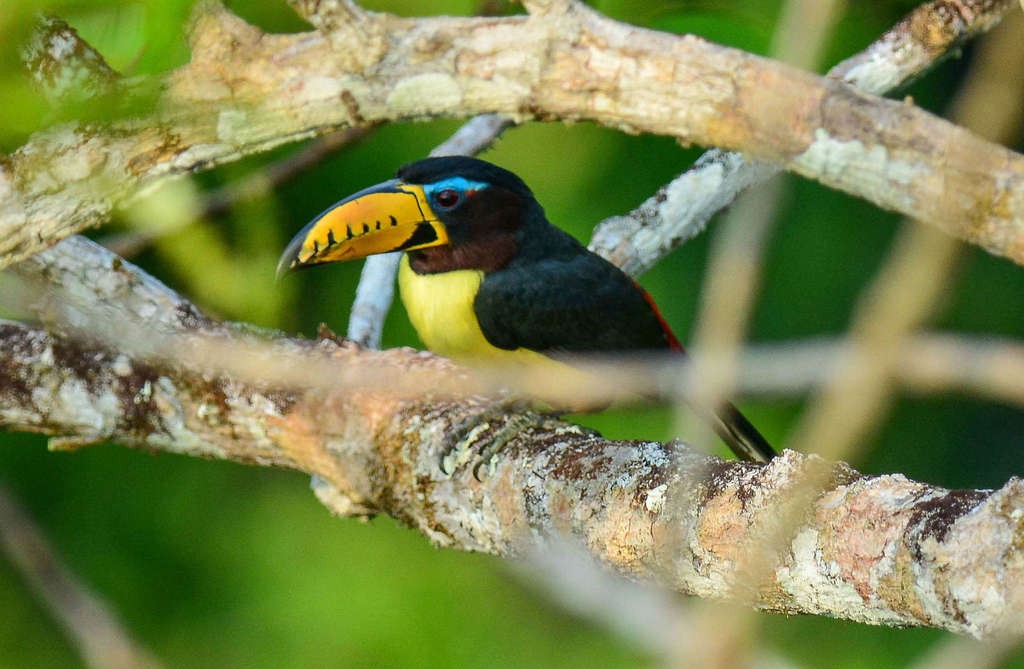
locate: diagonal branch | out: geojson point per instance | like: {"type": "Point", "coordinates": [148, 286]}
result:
{"type": "Point", "coordinates": [95, 631]}
{"type": "Point", "coordinates": [245, 91]}
{"type": "Point", "coordinates": [682, 208]}
{"type": "Point", "coordinates": [915, 278]}
{"type": "Point", "coordinates": [65, 67]}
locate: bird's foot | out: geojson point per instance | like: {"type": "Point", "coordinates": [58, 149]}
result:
{"type": "Point", "coordinates": [479, 438]}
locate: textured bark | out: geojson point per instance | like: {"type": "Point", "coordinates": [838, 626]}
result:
{"type": "Point", "coordinates": [682, 208]}
{"type": "Point", "coordinates": [245, 91]}
{"type": "Point", "coordinates": [879, 549]}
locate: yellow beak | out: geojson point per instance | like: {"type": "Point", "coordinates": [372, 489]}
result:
{"type": "Point", "coordinates": [392, 216]}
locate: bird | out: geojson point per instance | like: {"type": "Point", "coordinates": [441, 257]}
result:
{"type": "Point", "coordinates": [486, 276]}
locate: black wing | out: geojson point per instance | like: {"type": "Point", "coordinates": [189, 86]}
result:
{"type": "Point", "coordinates": [576, 303]}
{"type": "Point", "coordinates": [580, 303]}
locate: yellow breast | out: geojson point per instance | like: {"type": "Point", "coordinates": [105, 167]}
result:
{"type": "Point", "coordinates": [440, 307]}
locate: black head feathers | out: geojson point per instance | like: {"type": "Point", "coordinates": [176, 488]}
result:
{"type": "Point", "coordinates": [430, 170]}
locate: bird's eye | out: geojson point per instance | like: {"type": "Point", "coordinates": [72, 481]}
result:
{"type": "Point", "coordinates": [448, 198]}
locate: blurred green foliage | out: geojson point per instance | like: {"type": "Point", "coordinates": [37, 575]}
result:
{"type": "Point", "coordinates": [214, 564]}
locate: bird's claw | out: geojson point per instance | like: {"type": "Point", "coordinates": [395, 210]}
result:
{"type": "Point", "coordinates": [483, 436]}
{"type": "Point", "coordinates": [460, 448]}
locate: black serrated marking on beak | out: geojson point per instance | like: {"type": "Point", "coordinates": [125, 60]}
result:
{"type": "Point", "coordinates": [423, 234]}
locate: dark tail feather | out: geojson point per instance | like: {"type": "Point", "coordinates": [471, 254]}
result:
{"type": "Point", "coordinates": [741, 436]}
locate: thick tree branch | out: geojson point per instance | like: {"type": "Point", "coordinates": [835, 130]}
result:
{"type": "Point", "coordinates": [658, 512]}
{"type": "Point", "coordinates": [651, 511]}
{"type": "Point", "coordinates": [682, 208]}
{"type": "Point", "coordinates": [245, 91]}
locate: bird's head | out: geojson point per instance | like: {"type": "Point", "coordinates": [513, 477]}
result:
{"type": "Point", "coordinates": [449, 213]}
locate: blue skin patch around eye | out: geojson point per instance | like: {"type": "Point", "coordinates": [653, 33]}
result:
{"type": "Point", "coordinates": [460, 184]}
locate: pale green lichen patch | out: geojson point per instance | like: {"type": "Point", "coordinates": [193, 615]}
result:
{"type": "Point", "coordinates": [434, 92]}
{"type": "Point", "coordinates": [232, 125]}
{"type": "Point", "coordinates": [871, 170]}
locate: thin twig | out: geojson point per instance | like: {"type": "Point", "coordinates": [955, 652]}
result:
{"type": "Point", "coordinates": [88, 623]}
{"type": "Point", "coordinates": [925, 364]}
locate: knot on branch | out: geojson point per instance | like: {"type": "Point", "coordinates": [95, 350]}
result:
{"type": "Point", "coordinates": [64, 66]}
{"type": "Point", "coordinates": [356, 33]}
{"type": "Point", "coordinates": [215, 31]}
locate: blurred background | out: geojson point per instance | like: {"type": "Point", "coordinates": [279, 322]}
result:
{"type": "Point", "coordinates": [212, 564]}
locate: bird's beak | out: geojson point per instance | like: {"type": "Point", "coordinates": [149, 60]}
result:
{"type": "Point", "coordinates": [392, 216]}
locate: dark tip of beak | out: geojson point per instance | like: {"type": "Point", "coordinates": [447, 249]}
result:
{"type": "Point", "coordinates": [283, 267]}
{"type": "Point", "coordinates": [290, 258]}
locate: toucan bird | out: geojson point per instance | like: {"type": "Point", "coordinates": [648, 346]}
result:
{"type": "Point", "coordinates": [485, 275]}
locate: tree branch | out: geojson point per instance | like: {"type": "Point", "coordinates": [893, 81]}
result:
{"type": "Point", "coordinates": [682, 208]}
{"type": "Point", "coordinates": [734, 264]}
{"type": "Point", "coordinates": [251, 187]}
{"type": "Point", "coordinates": [245, 91]}
{"type": "Point", "coordinates": [925, 363]}
{"type": "Point", "coordinates": [658, 512]}
{"type": "Point", "coordinates": [876, 549]}
{"type": "Point", "coordinates": [66, 68]}
{"type": "Point", "coordinates": [914, 279]}
{"type": "Point", "coordinates": [651, 511]}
